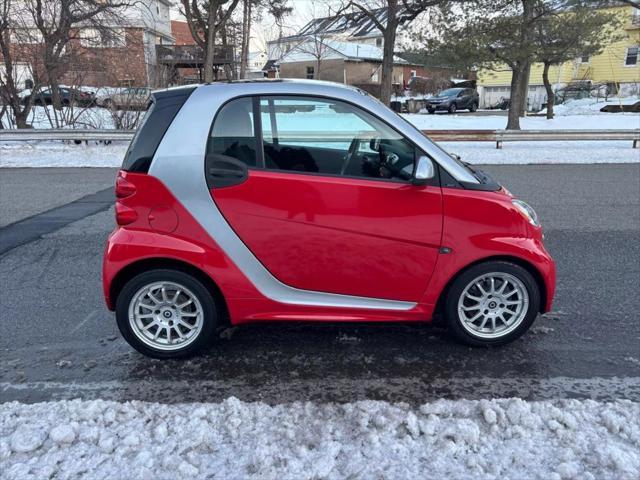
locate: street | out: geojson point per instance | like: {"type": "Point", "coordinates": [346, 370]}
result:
{"type": "Point", "coordinates": [59, 341]}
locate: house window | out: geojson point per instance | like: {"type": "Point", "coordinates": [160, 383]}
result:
{"type": "Point", "coordinates": [103, 37]}
{"type": "Point", "coordinates": [584, 59]}
{"type": "Point", "coordinates": [310, 72]}
{"type": "Point", "coordinates": [413, 73]}
{"type": "Point", "coordinates": [631, 58]}
{"type": "Point", "coordinates": [378, 42]}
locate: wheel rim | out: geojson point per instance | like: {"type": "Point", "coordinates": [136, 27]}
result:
{"type": "Point", "coordinates": [493, 305]}
{"type": "Point", "coordinates": [166, 316]}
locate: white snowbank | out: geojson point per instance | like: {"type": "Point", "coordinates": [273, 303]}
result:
{"type": "Point", "coordinates": [590, 106]}
{"type": "Point", "coordinates": [60, 154]}
{"type": "Point", "coordinates": [445, 121]}
{"type": "Point", "coordinates": [564, 439]}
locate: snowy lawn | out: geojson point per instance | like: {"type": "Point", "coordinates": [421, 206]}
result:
{"type": "Point", "coordinates": [445, 121]}
{"type": "Point", "coordinates": [58, 154]}
{"type": "Point", "coordinates": [512, 438]}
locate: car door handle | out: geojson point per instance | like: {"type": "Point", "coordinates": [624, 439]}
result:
{"type": "Point", "coordinates": [226, 172]}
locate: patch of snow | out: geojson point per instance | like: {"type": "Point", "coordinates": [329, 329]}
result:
{"type": "Point", "coordinates": [522, 153]}
{"type": "Point", "coordinates": [462, 439]}
{"type": "Point", "coordinates": [445, 121]}
{"type": "Point", "coordinates": [59, 154]}
{"type": "Point", "coordinates": [590, 106]}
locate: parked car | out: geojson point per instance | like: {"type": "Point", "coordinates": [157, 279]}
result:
{"type": "Point", "coordinates": [68, 96]}
{"type": "Point", "coordinates": [134, 98]}
{"type": "Point", "coordinates": [454, 99]}
{"type": "Point", "coordinates": [260, 201]}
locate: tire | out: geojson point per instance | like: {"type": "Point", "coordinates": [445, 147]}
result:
{"type": "Point", "coordinates": [452, 108]}
{"type": "Point", "coordinates": [473, 107]}
{"type": "Point", "coordinates": [518, 318]}
{"type": "Point", "coordinates": [431, 111]}
{"type": "Point", "coordinates": [169, 322]}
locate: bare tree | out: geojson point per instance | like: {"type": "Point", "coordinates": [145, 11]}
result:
{"type": "Point", "coordinates": [18, 40]}
{"type": "Point", "coordinates": [277, 9]}
{"type": "Point", "coordinates": [205, 20]}
{"type": "Point", "coordinates": [59, 21]}
{"type": "Point", "coordinates": [388, 16]}
{"type": "Point", "coordinates": [317, 46]}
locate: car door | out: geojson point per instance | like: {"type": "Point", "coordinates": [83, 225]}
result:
{"type": "Point", "coordinates": [320, 209]}
{"type": "Point", "coordinates": [463, 99]}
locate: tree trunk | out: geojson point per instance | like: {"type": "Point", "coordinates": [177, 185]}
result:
{"type": "Point", "coordinates": [386, 80]}
{"type": "Point", "coordinates": [524, 89]}
{"type": "Point", "coordinates": [21, 118]}
{"type": "Point", "coordinates": [513, 121]}
{"type": "Point", "coordinates": [209, 50]}
{"type": "Point", "coordinates": [246, 37]}
{"type": "Point", "coordinates": [547, 87]}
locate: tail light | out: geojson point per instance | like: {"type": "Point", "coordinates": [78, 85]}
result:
{"type": "Point", "coordinates": [124, 189]}
{"type": "Point", "coordinates": [125, 215]}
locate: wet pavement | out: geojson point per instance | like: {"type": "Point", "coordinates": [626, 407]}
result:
{"type": "Point", "coordinates": [59, 341]}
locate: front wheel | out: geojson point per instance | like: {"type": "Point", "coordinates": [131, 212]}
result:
{"type": "Point", "coordinates": [166, 314]}
{"type": "Point", "coordinates": [452, 108]}
{"type": "Point", "coordinates": [492, 304]}
{"type": "Point", "coordinates": [431, 110]}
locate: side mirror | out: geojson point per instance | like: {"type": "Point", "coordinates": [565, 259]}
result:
{"type": "Point", "coordinates": [374, 144]}
{"type": "Point", "coordinates": [425, 171]}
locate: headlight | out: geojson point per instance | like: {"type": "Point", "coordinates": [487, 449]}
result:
{"type": "Point", "coordinates": [527, 212]}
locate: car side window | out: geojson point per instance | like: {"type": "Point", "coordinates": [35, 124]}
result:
{"type": "Point", "coordinates": [325, 136]}
{"type": "Point", "coordinates": [233, 132]}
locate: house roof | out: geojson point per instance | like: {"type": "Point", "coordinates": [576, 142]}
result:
{"type": "Point", "coordinates": [332, 49]}
{"type": "Point", "coordinates": [354, 24]}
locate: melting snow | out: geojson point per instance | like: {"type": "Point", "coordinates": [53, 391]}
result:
{"type": "Point", "coordinates": [461, 439]}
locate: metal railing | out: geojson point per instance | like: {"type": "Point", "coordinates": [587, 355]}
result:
{"type": "Point", "coordinates": [498, 136]}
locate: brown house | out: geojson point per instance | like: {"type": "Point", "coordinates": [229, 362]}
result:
{"type": "Point", "coordinates": [343, 62]}
{"type": "Point", "coordinates": [114, 55]}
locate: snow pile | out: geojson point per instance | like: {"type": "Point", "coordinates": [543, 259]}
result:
{"type": "Point", "coordinates": [590, 106]}
{"type": "Point", "coordinates": [61, 154]}
{"type": "Point", "coordinates": [594, 121]}
{"type": "Point", "coordinates": [461, 439]}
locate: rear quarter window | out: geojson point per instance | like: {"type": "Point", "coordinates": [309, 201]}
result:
{"type": "Point", "coordinates": [162, 110]}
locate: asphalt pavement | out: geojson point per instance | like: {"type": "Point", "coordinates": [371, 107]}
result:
{"type": "Point", "coordinates": [59, 341]}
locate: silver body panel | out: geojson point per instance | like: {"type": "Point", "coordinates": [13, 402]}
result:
{"type": "Point", "coordinates": [179, 164]}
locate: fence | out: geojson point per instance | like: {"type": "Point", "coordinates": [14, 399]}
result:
{"type": "Point", "coordinates": [498, 136]}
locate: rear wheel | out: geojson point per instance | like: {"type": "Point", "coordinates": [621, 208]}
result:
{"type": "Point", "coordinates": [473, 107]}
{"type": "Point", "coordinates": [492, 303]}
{"type": "Point", "coordinates": [166, 314]}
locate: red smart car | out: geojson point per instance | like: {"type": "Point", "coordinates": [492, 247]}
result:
{"type": "Point", "coordinates": [310, 201]}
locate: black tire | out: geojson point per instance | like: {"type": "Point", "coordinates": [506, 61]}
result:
{"type": "Point", "coordinates": [452, 108]}
{"type": "Point", "coordinates": [453, 321]}
{"type": "Point", "coordinates": [210, 312]}
{"type": "Point", "coordinates": [473, 108]}
{"type": "Point", "coordinates": [431, 111]}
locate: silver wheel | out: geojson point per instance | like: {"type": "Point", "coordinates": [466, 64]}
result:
{"type": "Point", "coordinates": [166, 316]}
{"type": "Point", "coordinates": [493, 305]}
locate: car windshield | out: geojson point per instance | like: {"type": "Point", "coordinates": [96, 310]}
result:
{"type": "Point", "coordinates": [451, 92]}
